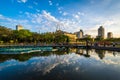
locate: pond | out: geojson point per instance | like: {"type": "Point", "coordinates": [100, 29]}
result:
{"type": "Point", "coordinates": [72, 64]}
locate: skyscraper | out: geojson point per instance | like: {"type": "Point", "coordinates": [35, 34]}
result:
{"type": "Point", "coordinates": [80, 34]}
{"type": "Point", "coordinates": [19, 27]}
{"type": "Point", "coordinates": [109, 35]}
{"type": "Point", "coordinates": [101, 32]}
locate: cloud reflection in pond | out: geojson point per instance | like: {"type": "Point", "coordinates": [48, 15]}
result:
{"type": "Point", "coordinates": [66, 64]}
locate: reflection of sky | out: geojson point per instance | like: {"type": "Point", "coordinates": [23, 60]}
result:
{"type": "Point", "coordinates": [73, 63]}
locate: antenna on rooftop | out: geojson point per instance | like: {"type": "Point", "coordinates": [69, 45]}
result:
{"type": "Point", "coordinates": [57, 27]}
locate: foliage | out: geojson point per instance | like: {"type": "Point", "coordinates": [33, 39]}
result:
{"type": "Point", "coordinates": [99, 39]}
{"type": "Point", "coordinates": [85, 39]}
{"type": "Point", "coordinates": [113, 39]}
{"type": "Point", "coordinates": [25, 36]}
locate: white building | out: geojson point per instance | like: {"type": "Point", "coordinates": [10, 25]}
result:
{"type": "Point", "coordinates": [101, 32]}
{"type": "Point", "coordinates": [80, 34]}
{"type": "Point", "coordinates": [19, 27]}
{"type": "Point", "coordinates": [109, 35]}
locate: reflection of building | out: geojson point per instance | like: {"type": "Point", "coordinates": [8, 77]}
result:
{"type": "Point", "coordinates": [110, 35]}
{"type": "Point", "coordinates": [101, 53]}
{"type": "Point", "coordinates": [19, 27]}
{"type": "Point", "coordinates": [80, 34]}
{"type": "Point", "coordinates": [79, 51]}
{"type": "Point", "coordinates": [101, 32]}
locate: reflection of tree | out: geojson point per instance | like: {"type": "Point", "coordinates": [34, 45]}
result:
{"type": "Point", "coordinates": [26, 56]}
{"type": "Point", "coordinates": [101, 53]}
{"type": "Point", "coordinates": [66, 49]}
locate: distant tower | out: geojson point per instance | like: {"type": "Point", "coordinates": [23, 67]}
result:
{"type": "Point", "coordinates": [101, 32]}
{"type": "Point", "coordinates": [80, 34]}
{"type": "Point", "coordinates": [109, 35]}
{"type": "Point", "coordinates": [19, 27]}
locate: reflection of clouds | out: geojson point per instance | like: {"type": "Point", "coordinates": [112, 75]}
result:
{"type": "Point", "coordinates": [45, 64]}
{"type": "Point", "coordinates": [11, 63]}
{"type": "Point", "coordinates": [48, 68]}
{"type": "Point", "coordinates": [77, 68]}
{"type": "Point", "coordinates": [7, 64]}
{"type": "Point", "coordinates": [110, 62]}
{"type": "Point", "coordinates": [49, 63]}
{"type": "Point", "coordinates": [109, 59]}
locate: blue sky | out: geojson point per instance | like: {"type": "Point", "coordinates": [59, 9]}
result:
{"type": "Point", "coordinates": [69, 15]}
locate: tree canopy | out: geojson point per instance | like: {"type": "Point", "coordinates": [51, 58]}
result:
{"type": "Point", "coordinates": [25, 36]}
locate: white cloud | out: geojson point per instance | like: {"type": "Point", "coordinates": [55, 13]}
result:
{"type": "Point", "coordinates": [109, 23]}
{"type": "Point", "coordinates": [5, 18]}
{"type": "Point", "coordinates": [11, 23]}
{"type": "Point", "coordinates": [45, 21]}
{"type": "Point", "coordinates": [65, 13]}
{"type": "Point", "coordinates": [50, 3]}
{"type": "Point", "coordinates": [76, 16]}
{"type": "Point", "coordinates": [60, 12]}
{"type": "Point", "coordinates": [49, 16]}
{"type": "Point", "coordinates": [80, 13]}
{"type": "Point", "coordinates": [22, 1]}
{"type": "Point", "coordinates": [60, 8]}
{"type": "Point", "coordinates": [91, 22]}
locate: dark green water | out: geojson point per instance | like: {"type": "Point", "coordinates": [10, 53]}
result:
{"type": "Point", "coordinates": [76, 64]}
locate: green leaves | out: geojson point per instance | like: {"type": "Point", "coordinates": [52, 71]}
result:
{"type": "Point", "coordinates": [25, 36]}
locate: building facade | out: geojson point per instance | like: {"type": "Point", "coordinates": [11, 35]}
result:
{"type": "Point", "coordinates": [101, 32]}
{"type": "Point", "coordinates": [71, 36]}
{"type": "Point", "coordinates": [109, 35]}
{"type": "Point", "coordinates": [19, 27]}
{"type": "Point", "coordinates": [80, 34]}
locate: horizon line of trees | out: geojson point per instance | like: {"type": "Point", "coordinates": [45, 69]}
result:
{"type": "Point", "coordinates": [25, 36]}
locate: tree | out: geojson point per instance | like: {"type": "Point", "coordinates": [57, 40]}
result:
{"type": "Point", "coordinates": [22, 35]}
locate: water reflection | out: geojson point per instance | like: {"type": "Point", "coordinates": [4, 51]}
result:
{"type": "Point", "coordinates": [25, 57]}
{"type": "Point", "coordinates": [81, 52]}
{"type": "Point", "coordinates": [77, 64]}
{"type": "Point", "coordinates": [101, 53]}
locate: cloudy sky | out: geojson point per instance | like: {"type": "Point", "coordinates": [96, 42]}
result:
{"type": "Point", "coordinates": [68, 15]}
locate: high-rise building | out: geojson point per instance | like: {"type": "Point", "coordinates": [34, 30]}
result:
{"type": "Point", "coordinates": [80, 34]}
{"type": "Point", "coordinates": [101, 32]}
{"type": "Point", "coordinates": [109, 35]}
{"type": "Point", "coordinates": [19, 27]}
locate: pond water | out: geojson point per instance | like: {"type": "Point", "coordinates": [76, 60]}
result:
{"type": "Point", "coordinates": [73, 64]}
